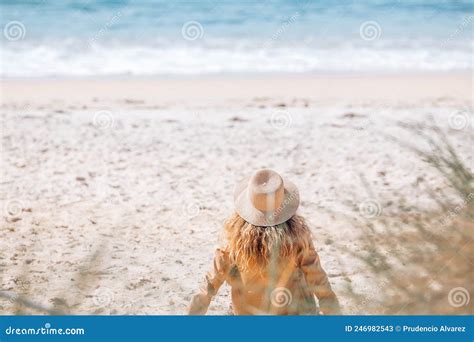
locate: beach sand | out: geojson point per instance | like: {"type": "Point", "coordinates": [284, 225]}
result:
{"type": "Point", "coordinates": [143, 171]}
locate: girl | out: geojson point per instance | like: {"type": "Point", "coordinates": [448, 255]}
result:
{"type": "Point", "coordinates": [269, 259]}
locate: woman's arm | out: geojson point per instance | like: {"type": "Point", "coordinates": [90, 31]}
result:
{"type": "Point", "coordinates": [318, 282]}
{"type": "Point", "coordinates": [212, 283]}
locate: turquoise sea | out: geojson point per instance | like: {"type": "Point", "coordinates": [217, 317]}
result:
{"type": "Point", "coordinates": [88, 38]}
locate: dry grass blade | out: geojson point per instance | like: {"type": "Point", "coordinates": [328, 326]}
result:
{"type": "Point", "coordinates": [424, 259]}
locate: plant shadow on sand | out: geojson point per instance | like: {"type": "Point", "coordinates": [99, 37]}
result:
{"type": "Point", "coordinates": [25, 302]}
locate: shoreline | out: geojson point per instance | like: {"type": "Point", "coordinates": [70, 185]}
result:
{"type": "Point", "coordinates": [405, 89]}
{"type": "Point", "coordinates": [239, 75]}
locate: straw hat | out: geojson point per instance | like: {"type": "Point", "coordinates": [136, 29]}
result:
{"type": "Point", "coordinates": [266, 199]}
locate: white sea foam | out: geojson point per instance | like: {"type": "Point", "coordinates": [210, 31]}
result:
{"type": "Point", "coordinates": [74, 58]}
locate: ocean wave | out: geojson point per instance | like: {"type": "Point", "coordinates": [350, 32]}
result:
{"type": "Point", "coordinates": [145, 38]}
{"type": "Point", "coordinates": [78, 60]}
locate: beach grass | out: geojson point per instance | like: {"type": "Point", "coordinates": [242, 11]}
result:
{"type": "Point", "coordinates": [422, 259]}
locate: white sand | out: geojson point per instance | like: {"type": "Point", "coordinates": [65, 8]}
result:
{"type": "Point", "coordinates": [144, 171]}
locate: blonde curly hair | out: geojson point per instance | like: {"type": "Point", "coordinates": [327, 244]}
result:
{"type": "Point", "coordinates": [252, 248]}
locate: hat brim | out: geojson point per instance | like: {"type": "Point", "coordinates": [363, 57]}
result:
{"type": "Point", "coordinates": [287, 209]}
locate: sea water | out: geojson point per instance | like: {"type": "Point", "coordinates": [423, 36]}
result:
{"type": "Point", "coordinates": [85, 38]}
